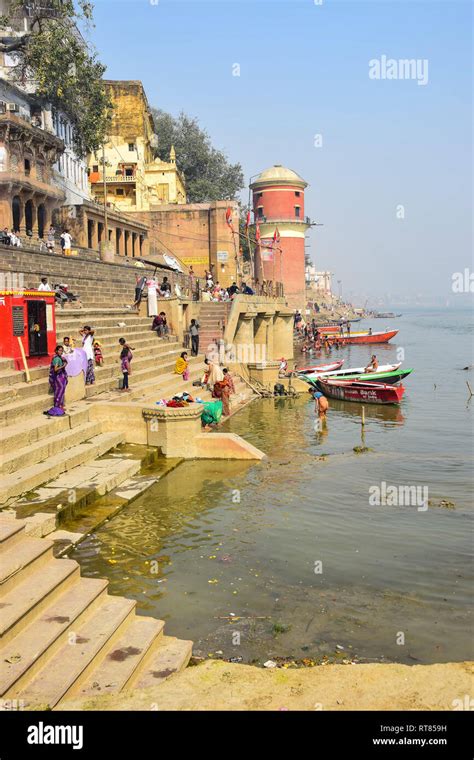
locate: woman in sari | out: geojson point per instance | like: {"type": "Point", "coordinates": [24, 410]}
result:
{"type": "Point", "coordinates": [88, 346]}
{"type": "Point", "coordinates": [58, 377]}
{"type": "Point", "coordinates": [181, 367]}
{"type": "Point", "coordinates": [215, 373]}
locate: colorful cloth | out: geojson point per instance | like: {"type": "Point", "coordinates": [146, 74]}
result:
{"type": "Point", "coordinates": [181, 366]}
{"type": "Point", "coordinates": [90, 374]}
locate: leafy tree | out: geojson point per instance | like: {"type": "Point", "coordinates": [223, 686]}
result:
{"type": "Point", "coordinates": [54, 58]}
{"type": "Point", "coordinates": [209, 175]}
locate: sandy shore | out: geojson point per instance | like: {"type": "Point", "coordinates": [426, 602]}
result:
{"type": "Point", "coordinates": [218, 685]}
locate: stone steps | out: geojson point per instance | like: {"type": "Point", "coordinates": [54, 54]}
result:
{"type": "Point", "coordinates": [30, 432]}
{"type": "Point", "coordinates": [170, 657]}
{"type": "Point", "coordinates": [47, 632]}
{"type": "Point", "coordinates": [63, 635]}
{"type": "Point", "coordinates": [31, 477]}
{"type": "Point", "coordinates": [121, 663]}
{"type": "Point", "coordinates": [49, 447]}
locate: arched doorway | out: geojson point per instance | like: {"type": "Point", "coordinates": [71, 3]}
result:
{"type": "Point", "coordinates": [29, 217]}
{"type": "Point", "coordinates": [41, 220]}
{"type": "Point", "coordinates": [16, 213]}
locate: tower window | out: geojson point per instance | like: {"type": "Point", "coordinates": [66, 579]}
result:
{"type": "Point", "coordinates": [297, 212]}
{"type": "Point", "coordinates": [95, 168]}
{"type": "Point", "coordinates": [297, 194]}
{"type": "Point", "coordinates": [119, 191]}
{"type": "Point", "coordinates": [27, 167]}
{"type": "Point", "coordinates": [131, 146]}
{"type": "Point", "coordinates": [260, 212]}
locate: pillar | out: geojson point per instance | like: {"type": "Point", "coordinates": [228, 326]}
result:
{"type": "Point", "coordinates": [283, 335]}
{"type": "Point", "coordinates": [174, 431]}
{"type": "Point", "coordinates": [244, 338]}
{"type": "Point", "coordinates": [263, 337]}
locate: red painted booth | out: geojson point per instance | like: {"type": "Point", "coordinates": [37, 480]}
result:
{"type": "Point", "coordinates": [28, 315]}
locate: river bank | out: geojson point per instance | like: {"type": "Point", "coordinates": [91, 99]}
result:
{"type": "Point", "coordinates": [216, 685]}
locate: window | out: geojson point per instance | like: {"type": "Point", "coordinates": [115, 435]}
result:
{"type": "Point", "coordinates": [131, 146]}
{"type": "Point", "coordinates": [260, 212]}
{"type": "Point", "coordinates": [27, 167]}
{"type": "Point", "coordinates": [297, 194]}
{"type": "Point", "coordinates": [95, 168]}
{"type": "Point", "coordinates": [119, 191]}
{"type": "Point", "coordinates": [297, 212]}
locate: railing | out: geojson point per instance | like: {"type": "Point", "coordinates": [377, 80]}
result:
{"type": "Point", "coordinates": [112, 179]}
{"type": "Point", "coordinates": [277, 219]}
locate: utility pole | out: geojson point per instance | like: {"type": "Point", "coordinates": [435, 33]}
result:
{"type": "Point", "coordinates": [106, 221]}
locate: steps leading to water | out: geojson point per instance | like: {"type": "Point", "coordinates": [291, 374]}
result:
{"type": "Point", "coordinates": [63, 635]}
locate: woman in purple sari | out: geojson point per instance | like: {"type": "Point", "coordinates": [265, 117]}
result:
{"type": "Point", "coordinates": [58, 377]}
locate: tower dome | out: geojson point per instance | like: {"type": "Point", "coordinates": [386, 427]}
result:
{"type": "Point", "coordinates": [278, 175]}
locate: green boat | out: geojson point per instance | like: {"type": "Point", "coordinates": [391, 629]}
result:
{"type": "Point", "coordinates": [391, 378]}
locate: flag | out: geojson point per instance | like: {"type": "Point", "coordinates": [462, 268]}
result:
{"type": "Point", "coordinates": [228, 217]}
{"type": "Point", "coordinates": [276, 236]}
{"type": "Point", "coordinates": [247, 223]}
{"type": "Point", "coordinates": [257, 231]}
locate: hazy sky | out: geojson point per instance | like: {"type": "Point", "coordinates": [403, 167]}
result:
{"type": "Point", "coordinates": [391, 181]}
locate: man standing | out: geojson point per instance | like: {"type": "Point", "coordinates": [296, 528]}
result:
{"type": "Point", "coordinates": [44, 284]}
{"type": "Point", "coordinates": [67, 240]}
{"type": "Point", "coordinates": [194, 332]}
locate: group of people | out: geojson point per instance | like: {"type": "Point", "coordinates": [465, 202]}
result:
{"type": "Point", "coordinates": [216, 379]}
{"type": "Point", "coordinates": [12, 238]}
{"type": "Point", "coordinates": [58, 378]}
{"type": "Point", "coordinates": [216, 292]}
{"type": "Point", "coordinates": [153, 290]}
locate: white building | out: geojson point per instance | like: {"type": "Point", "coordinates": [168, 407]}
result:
{"type": "Point", "coordinates": [69, 173]}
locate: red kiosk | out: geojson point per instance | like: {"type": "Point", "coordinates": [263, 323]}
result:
{"type": "Point", "coordinates": [27, 317]}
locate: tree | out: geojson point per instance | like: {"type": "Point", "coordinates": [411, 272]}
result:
{"type": "Point", "coordinates": [54, 59]}
{"type": "Point", "coordinates": [209, 175]}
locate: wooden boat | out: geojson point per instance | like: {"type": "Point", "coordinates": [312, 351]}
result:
{"type": "Point", "coordinates": [368, 337]}
{"type": "Point", "coordinates": [317, 368]}
{"type": "Point", "coordinates": [386, 315]}
{"type": "Point", "coordinates": [396, 376]}
{"type": "Point", "coordinates": [349, 371]}
{"type": "Point", "coordinates": [367, 393]}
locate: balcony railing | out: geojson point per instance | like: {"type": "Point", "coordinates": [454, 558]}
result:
{"type": "Point", "coordinates": [277, 219]}
{"type": "Point", "coordinates": [97, 178]}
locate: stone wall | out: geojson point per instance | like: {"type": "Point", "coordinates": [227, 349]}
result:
{"type": "Point", "coordinates": [196, 233]}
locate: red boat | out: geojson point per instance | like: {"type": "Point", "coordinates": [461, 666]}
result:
{"type": "Point", "coordinates": [320, 368]}
{"type": "Point", "coordinates": [368, 393]}
{"type": "Point", "coordinates": [368, 337]}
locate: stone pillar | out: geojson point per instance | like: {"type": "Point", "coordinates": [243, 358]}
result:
{"type": "Point", "coordinates": [244, 338]}
{"type": "Point", "coordinates": [174, 430]}
{"type": "Point", "coordinates": [122, 242]}
{"type": "Point", "coordinates": [263, 337]}
{"type": "Point", "coordinates": [283, 336]}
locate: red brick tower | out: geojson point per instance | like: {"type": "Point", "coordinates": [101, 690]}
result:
{"type": "Point", "coordinates": [278, 204]}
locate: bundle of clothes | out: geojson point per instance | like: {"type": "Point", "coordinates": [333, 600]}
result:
{"type": "Point", "coordinates": [212, 411]}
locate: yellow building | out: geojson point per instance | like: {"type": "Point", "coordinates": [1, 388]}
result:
{"type": "Point", "coordinates": [134, 181]}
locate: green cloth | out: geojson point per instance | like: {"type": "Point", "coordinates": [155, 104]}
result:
{"type": "Point", "coordinates": [212, 412]}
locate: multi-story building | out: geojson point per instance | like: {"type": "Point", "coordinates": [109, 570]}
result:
{"type": "Point", "coordinates": [134, 180]}
{"type": "Point", "coordinates": [28, 151]}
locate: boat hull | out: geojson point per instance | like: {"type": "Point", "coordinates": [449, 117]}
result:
{"type": "Point", "coordinates": [349, 372]}
{"type": "Point", "coordinates": [366, 393]}
{"type": "Point", "coordinates": [377, 337]}
{"type": "Point", "coordinates": [318, 368]}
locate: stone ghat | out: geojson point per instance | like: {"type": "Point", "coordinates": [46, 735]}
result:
{"type": "Point", "coordinates": [98, 283]}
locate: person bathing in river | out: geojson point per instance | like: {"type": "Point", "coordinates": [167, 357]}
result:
{"type": "Point", "coordinates": [373, 365]}
{"type": "Point", "coordinates": [321, 406]}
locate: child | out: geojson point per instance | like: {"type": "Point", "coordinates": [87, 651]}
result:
{"type": "Point", "coordinates": [68, 345]}
{"type": "Point", "coordinates": [126, 357]}
{"type": "Point", "coordinates": [99, 359]}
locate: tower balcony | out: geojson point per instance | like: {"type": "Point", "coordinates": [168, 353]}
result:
{"type": "Point", "coordinates": [284, 220]}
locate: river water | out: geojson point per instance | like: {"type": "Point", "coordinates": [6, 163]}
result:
{"type": "Point", "coordinates": [289, 557]}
